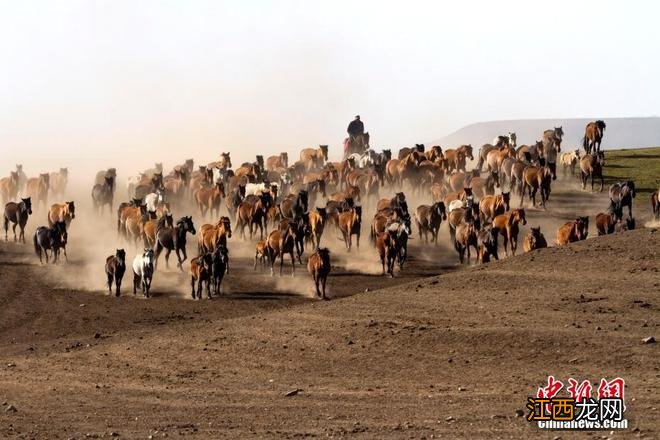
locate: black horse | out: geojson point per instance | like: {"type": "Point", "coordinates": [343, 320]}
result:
{"type": "Point", "coordinates": [103, 194]}
{"type": "Point", "coordinates": [219, 267]}
{"type": "Point", "coordinates": [53, 239]}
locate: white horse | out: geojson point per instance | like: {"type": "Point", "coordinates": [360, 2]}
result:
{"type": "Point", "coordinates": [143, 271]}
{"type": "Point", "coordinates": [258, 188]}
{"type": "Point", "coordinates": [366, 159]}
{"type": "Point", "coordinates": [133, 182]}
{"type": "Point", "coordinates": [153, 200]}
{"type": "Point", "coordinates": [511, 136]}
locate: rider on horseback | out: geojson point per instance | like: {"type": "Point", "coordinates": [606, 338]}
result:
{"type": "Point", "coordinates": [355, 128]}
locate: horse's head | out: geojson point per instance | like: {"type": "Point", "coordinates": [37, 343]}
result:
{"type": "Point", "coordinates": [322, 212]}
{"type": "Point", "coordinates": [26, 205]}
{"type": "Point", "coordinates": [284, 159]}
{"type": "Point", "coordinates": [240, 190]}
{"type": "Point", "coordinates": [321, 186]}
{"type": "Point", "coordinates": [440, 209]}
{"type": "Point", "coordinates": [226, 225]}
{"type": "Point", "coordinates": [109, 180]}
{"type": "Point", "coordinates": [45, 177]}
{"type": "Point", "coordinates": [226, 159]}
{"type": "Point", "coordinates": [584, 223]}
{"type": "Point", "coordinates": [71, 208]}
{"type": "Point", "coordinates": [467, 149]}
{"type": "Point", "coordinates": [148, 258]}
{"type": "Point", "coordinates": [559, 133]}
{"type": "Point", "coordinates": [631, 185]}
{"type": "Point", "coordinates": [157, 181]}
{"type": "Point", "coordinates": [266, 200]}
{"type": "Point", "coordinates": [14, 176]}
{"type": "Point", "coordinates": [136, 202]}
{"type": "Point", "coordinates": [64, 172]}
{"type": "Point", "coordinates": [159, 167]}
{"type": "Point", "coordinates": [536, 232]}
{"type": "Point", "coordinates": [19, 168]}
{"type": "Point", "coordinates": [303, 198]}
{"type": "Point", "coordinates": [187, 224]}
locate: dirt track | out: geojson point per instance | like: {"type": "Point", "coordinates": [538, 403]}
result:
{"type": "Point", "coordinates": [471, 345]}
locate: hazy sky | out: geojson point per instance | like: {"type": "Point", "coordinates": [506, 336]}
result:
{"type": "Point", "coordinates": [100, 78]}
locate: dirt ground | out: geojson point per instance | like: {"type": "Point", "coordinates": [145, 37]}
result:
{"type": "Point", "coordinates": [437, 352]}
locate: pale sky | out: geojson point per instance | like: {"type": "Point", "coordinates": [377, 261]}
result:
{"type": "Point", "coordinates": [132, 78]}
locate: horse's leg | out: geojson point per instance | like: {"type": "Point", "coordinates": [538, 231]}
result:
{"type": "Point", "coordinates": [192, 286]}
{"type": "Point", "coordinates": [505, 241]}
{"type": "Point", "coordinates": [117, 285]}
{"type": "Point", "coordinates": [293, 264]}
{"type": "Point", "coordinates": [158, 249]}
{"type": "Point", "coordinates": [323, 280]}
{"type": "Point", "coordinates": [514, 243]}
{"type": "Point", "coordinates": [522, 193]}
{"type": "Point", "coordinates": [281, 261]}
{"type": "Point", "coordinates": [110, 278]}
{"type": "Point", "coordinates": [167, 258]}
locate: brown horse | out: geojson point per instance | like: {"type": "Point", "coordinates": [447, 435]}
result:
{"type": "Point", "coordinates": [487, 244]}
{"type": "Point", "coordinates": [279, 161]}
{"type": "Point", "coordinates": [492, 206]}
{"type": "Point", "coordinates": [428, 218]}
{"type": "Point", "coordinates": [508, 227]}
{"type": "Point", "coordinates": [173, 239]}
{"type": "Point", "coordinates": [253, 212]}
{"type": "Point", "coordinates": [61, 212]}
{"type": "Point", "coordinates": [593, 135]}
{"type": "Point", "coordinates": [592, 165]}
{"type": "Point", "coordinates": [251, 171]}
{"type": "Point", "coordinates": [37, 188]}
{"type": "Point", "coordinates": [260, 254]}
{"type": "Point", "coordinates": [210, 236]}
{"type": "Point", "coordinates": [58, 182]}
{"type": "Point", "coordinates": [135, 208]}
{"type": "Point", "coordinates": [465, 237]}
{"type": "Point", "coordinates": [571, 231]}
{"type": "Point", "coordinates": [209, 199]}
{"type": "Point", "coordinates": [606, 223]}
{"type": "Point", "coordinates": [406, 151]}
{"type": "Point", "coordinates": [317, 220]}
{"type": "Point", "coordinates": [150, 227]}
{"type": "Point", "coordinates": [534, 240]}
{"type": "Point", "coordinates": [455, 158]}
{"type": "Point", "coordinates": [314, 158]}
{"type": "Point", "coordinates": [17, 213]}
{"type": "Point", "coordinates": [280, 243]}
{"type": "Point", "coordinates": [318, 266]}
{"type": "Point", "coordinates": [9, 187]}
{"type": "Point", "coordinates": [536, 179]}
{"type": "Point", "coordinates": [200, 274]}
{"type": "Point", "coordinates": [103, 194]}
{"type": "Point", "coordinates": [115, 267]}
{"type": "Point", "coordinates": [350, 223]}
{"type": "Point", "coordinates": [655, 204]}
{"type": "Point", "coordinates": [357, 144]}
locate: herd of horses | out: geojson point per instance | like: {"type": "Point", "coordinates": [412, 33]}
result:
{"type": "Point", "coordinates": [301, 201]}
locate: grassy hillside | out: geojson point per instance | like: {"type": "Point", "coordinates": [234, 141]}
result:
{"type": "Point", "coordinates": [641, 165]}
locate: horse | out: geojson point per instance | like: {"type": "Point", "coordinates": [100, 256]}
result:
{"type": "Point", "coordinates": [406, 151]}
{"type": "Point", "coordinates": [314, 157]}
{"type": "Point", "coordinates": [143, 271]}
{"type": "Point", "coordinates": [592, 165]}
{"type": "Point", "coordinates": [115, 267]}
{"type": "Point", "coordinates": [571, 231]}
{"type": "Point", "coordinates": [398, 201]}
{"type": "Point", "coordinates": [62, 212]}
{"type": "Point", "coordinates": [534, 240]}
{"type": "Point", "coordinates": [606, 223]}
{"type": "Point", "coordinates": [593, 135]}
{"type": "Point", "coordinates": [301, 226]}
{"type": "Point", "coordinates": [18, 214]}
{"type": "Point", "coordinates": [154, 184]}
{"type": "Point", "coordinates": [173, 239]}
{"type": "Point", "coordinates": [223, 163]}
{"type": "Point", "coordinates": [391, 245]}
{"type": "Point", "coordinates": [209, 199]}
{"type": "Point", "coordinates": [210, 236]}
{"type": "Point", "coordinates": [508, 227]}
{"type": "Point", "coordinates": [455, 158]}
{"type": "Point", "coordinates": [350, 223]}
{"type": "Point", "coordinates": [569, 160]}
{"type": "Point", "coordinates": [260, 254]}
{"type": "Point", "coordinates": [37, 188]}
{"type": "Point", "coordinates": [357, 144]}
{"type": "Point", "coordinates": [103, 194]}
{"type": "Point", "coordinates": [655, 204]}
{"type": "Point", "coordinates": [134, 224]}
{"type": "Point", "coordinates": [465, 237]}
{"type": "Point", "coordinates": [150, 227]}
{"type": "Point", "coordinates": [295, 205]}
{"type": "Point", "coordinates": [483, 187]}
{"type": "Point", "coordinates": [551, 147]}
{"type": "Point", "coordinates": [428, 218]}
{"type": "Point", "coordinates": [235, 198]}
{"type": "Point", "coordinates": [51, 238]}
{"type": "Point", "coordinates": [58, 182]}
{"type": "Point", "coordinates": [487, 244]}
{"type": "Point", "coordinates": [253, 211]}
{"type": "Point", "coordinates": [279, 161]}
{"type": "Point", "coordinates": [22, 178]}
{"type": "Point", "coordinates": [318, 266]}
{"type": "Point", "coordinates": [101, 175]}
{"type": "Point", "coordinates": [317, 220]}
{"type": "Point", "coordinates": [622, 194]}
{"type": "Point", "coordinates": [536, 178]}
{"type": "Point", "coordinates": [9, 187]}
{"type": "Point", "coordinates": [219, 267]}
{"type": "Point", "coordinates": [492, 206]}
{"type": "Point", "coordinates": [133, 210]}
{"type": "Point", "coordinates": [280, 243]}
{"type": "Point", "coordinates": [200, 274]}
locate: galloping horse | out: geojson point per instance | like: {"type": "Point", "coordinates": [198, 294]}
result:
{"type": "Point", "coordinates": [592, 165]}
{"type": "Point", "coordinates": [314, 157]}
{"type": "Point", "coordinates": [173, 239]}
{"type": "Point", "coordinates": [622, 194]}
{"type": "Point", "coordinates": [318, 266]}
{"type": "Point", "coordinates": [18, 214]}
{"type": "Point", "coordinates": [103, 194]}
{"type": "Point", "coordinates": [455, 158]}
{"type": "Point", "coordinates": [359, 144]}
{"type": "Point", "coordinates": [551, 147]}
{"type": "Point", "coordinates": [51, 238]}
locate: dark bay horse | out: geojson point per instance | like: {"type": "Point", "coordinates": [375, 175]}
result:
{"type": "Point", "coordinates": [173, 239]}
{"type": "Point", "coordinates": [622, 194]}
{"type": "Point", "coordinates": [53, 239]}
{"type": "Point", "coordinates": [104, 193]}
{"type": "Point", "coordinates": [115, 267]}
{"type": "Point", "coordinates": [18, 214]}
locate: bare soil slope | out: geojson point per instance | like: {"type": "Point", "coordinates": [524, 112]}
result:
{"type": "Point", "coordinates": [452, 356]}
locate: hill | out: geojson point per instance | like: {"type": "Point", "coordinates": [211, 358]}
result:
{"type": "Point", "coordinates": [620, 132]}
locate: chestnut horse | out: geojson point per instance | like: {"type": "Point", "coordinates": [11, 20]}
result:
{"type": "Point", "coordinates": [37, 188]}
{"type": "Point", "coordinates": [571, 231]}
{"type": "Point", "coordinates": [61, 212]}
{"type": "Point", "coordinates": [9, 187]}
{"type": "Point", "coordinates": [279, 161]}
{"type": "Point", "coordinates": [534, 240]}
{"type": "Point", "coordinates": [592, 165]}
{"type": "Point", "coordinates": [508, 227]}
{"type": "Point", "coordinates": [428, 219]}
{"type": "Point", "coordinates": [455, 158]}
{"type": "Point", "coordinates": [314, 158]}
